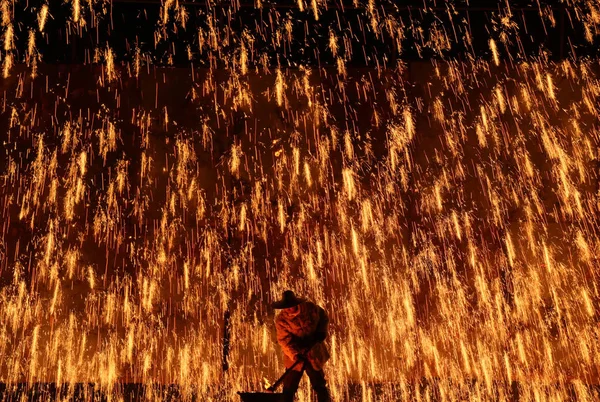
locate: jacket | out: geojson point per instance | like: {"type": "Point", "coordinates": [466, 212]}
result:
{"type": "Point", "coordinates": [296, 332]}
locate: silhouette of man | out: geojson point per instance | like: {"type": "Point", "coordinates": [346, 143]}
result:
{"type": "Point", "coordinates": [301, 329]}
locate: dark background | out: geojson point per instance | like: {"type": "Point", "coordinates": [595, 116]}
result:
{"type": "Point", "coordinates": [549, 26]}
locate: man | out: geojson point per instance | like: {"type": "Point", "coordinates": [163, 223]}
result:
{"type": "Point", "coordinates": [301, 329]}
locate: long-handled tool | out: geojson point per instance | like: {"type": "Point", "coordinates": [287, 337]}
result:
{"type": "Point", "coordinates": [273, 387]}
{"type": "Point", "coordinates": [270, 395]}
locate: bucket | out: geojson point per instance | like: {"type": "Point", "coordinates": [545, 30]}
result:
{"type": "Point", "coordinates": [261, 396]}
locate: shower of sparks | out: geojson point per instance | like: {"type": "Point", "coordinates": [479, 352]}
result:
{"type": "Point", "coordinates": [447, 216]}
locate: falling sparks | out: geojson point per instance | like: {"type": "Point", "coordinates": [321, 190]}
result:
{"type": "Point", "coordinates": [109, 56]}
{"type": "Point", "coordinates": [279, 87]}
{"type": "Point", "coordinates": [494, 51]}
{"type": "Point", "coordinates": [445, 213]}
{"type": "Point", "coordinates": [8, 38]}
{"type": "Point", "coordinates": [42, 17]}
{"type": "Point", "coordinates": [76, 11]}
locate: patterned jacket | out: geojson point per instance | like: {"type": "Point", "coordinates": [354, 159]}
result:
{"type": "Point", "coordinates": [296, 332]}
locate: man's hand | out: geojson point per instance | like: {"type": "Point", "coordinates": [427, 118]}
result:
{"type": "Point", "coordinates": [300, 356]}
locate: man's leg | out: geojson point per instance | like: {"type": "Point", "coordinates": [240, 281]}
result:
{"type": "Point", "coordinates": [290, 385]}
{"type": "Point", "coordinates": [318, 383]}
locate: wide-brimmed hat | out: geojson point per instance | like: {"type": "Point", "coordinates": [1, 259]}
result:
{"type": "Point", "coordinates": [288, 300]}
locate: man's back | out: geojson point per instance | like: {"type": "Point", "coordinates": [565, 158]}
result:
{"type": "Point", "coordinates": [299, 330]}
{"type": "Point", "coordinates": [302, 323]}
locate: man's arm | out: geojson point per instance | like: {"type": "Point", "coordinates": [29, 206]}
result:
{"type": "Point", "coordinates": [286, 341]}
